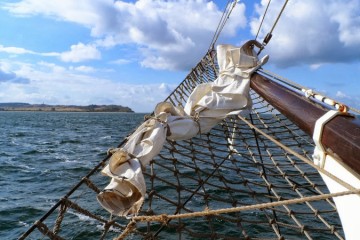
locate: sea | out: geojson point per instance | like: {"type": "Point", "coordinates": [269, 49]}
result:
{"type": "Point", "coordinates": [44, 154]}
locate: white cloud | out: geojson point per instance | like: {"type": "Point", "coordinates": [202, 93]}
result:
{"type": "Point", "coordinates": [315, 66]}
{"type": "Point", "coordinates": [78, 53]}
{"type": "Point", "coordinates": [51, 67]}
{"type": "Point", "coordinates": [346, 15]}
{"type": "Point", "coordinates": [19, 51]}
{"type": "Point", "coordinates": [81, 52]}
{"type": "Point", "coordinates": [15, 50]}
{"type": "Point", "coordinates": [82, 68]}
{"type": "Point", "coordinates": [121, 61]}
{"type": "Point", "coordinates": [169, 34]}
{"type": "Point", "coordinates": [11, 77]}
{"type": "Point", "coordinates": [340, 94]}
{"type": "Point", "coordinates": [82, 12]}
{"type": "Point", "coordinates": [312, 32]}
{"type": "Point", "coordinates": [166, 88]}
{"type": "Point", "coordinates": [352, 100]}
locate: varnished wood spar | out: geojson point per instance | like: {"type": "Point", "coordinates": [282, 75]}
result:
{"type": "Point", "coordinates": [341, 135]}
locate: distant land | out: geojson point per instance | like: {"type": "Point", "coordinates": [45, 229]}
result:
{"type": "Point", "coordinates": [62, 108]}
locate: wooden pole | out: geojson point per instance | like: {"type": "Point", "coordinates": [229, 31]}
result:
{"type": "Point", "coordinates": [341, 135]}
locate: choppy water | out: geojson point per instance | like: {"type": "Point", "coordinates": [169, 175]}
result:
{"type": "Point", "coordinates": [44, 154]}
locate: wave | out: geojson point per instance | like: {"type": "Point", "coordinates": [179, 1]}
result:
{"type": "Point", "coordinates": [71, 161]}
{"type": "Point", "coordinates": [19, 134]}
{"type": "Point", "coordinates": [82, 217]}
{"type": "Point", "coordinates": [71, 141]}
{"type": "Point", "coordinates": [26, 167]}
{"type": "Point", "coordinates": [42, 158]}
{"type": "Point", "coordinates": [15, 165]}
{"type": "Point", "coordinates": [106, 137]}
{"type": "Point", "coordinates": [32, 152]}
{"type": "Point", "coordinates": [18, 213]}
{"type": "Point", "coordinates": [15, 220]}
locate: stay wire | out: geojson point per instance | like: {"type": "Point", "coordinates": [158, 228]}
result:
{"type": "Point", "coordinates": [262, 20]}
{"type": "Point", "coordinates": [269, 35]}
{"type": "Point", "coordinates": [226, 14]}
{"type": "Point", "coordinates": [278, 17]}
{"type": "Point", "coordinates": [218, 26]}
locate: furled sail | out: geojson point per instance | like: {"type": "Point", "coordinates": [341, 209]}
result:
{"type": "Point", "coordinates": [208, 104]}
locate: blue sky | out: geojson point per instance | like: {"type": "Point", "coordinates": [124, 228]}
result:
{"type": "Point", "coordinates": [133, 53]}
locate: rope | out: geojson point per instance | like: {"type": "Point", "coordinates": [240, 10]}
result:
{"type": "Point", "coordinates": [91, 185]}
{"type": "Point", "coordinates": [165, 218]}
{"type": "Point", "coordinates": [278, 17]}
{"type": "Point", "coordinates": [262, 167]}
{"type": "Point", "coordinates": [59, 219]}
{"type": "Point", "coordinates": [269, 35]}
{"type": "Point", "coordinates": [191, 196]}
{"type": "Point", "coordinates": [281, 79]}
{"type": "Point", "coordinates": [213, 40]}
{"type": "Point", "coordinates": [106, 228]}
{"type": "Point", "coordinates": [290, 181]}
{"type": "Point", "coordinates": [224, 18]}
{"type": "Point", "coordinates": [83, 211]}
{"type": "Point", "coordinates": [309, 93]}
{"type": "Point", "coordinates": [129, 229]}
{"type": "Point", "coordinates": [262, 20]}
{"type": "Point", "coordinates": [323, 171]}
{"type": "Point", "coordinates": [46, 231]}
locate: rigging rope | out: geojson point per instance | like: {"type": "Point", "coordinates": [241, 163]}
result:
{"type": "Point", "coordinates": [309, 92]}
{"type": "Point", "coordinates": [213, 40]}
{"type": "Point", "coordinates": [278, 17]}
{"type": "Point", "coordinates": [263, 168]}
{"type": "Point", "coordinates": [269, 35]}
{"type": "Point", "coordinates": [165, 218]}
{"type": "Point", "coordinates": [262, 20]}
{"type": "Point", "coordinates": [319, 169]}
{"type": "Point", "coordinates": [224, 18]}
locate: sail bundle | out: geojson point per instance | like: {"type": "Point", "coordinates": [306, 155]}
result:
{"type": "Point", "coordinates": [208, 104]}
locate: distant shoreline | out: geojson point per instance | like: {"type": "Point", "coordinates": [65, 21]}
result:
{"type": "Point", "coordinates": [26, 107]}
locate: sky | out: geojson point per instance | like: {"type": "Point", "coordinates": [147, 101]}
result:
{"type": "Point", "coordinates": [133, 53]}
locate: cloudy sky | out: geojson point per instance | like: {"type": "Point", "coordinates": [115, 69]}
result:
{"type": "Point", "coordinates": [133, 53]}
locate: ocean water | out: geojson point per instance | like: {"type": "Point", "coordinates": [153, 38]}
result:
{"type": "Point", "coordinates": [44, 154]}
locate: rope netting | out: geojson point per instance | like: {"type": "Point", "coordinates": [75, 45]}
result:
{"type": "Point", "coordinates": [233, 168]}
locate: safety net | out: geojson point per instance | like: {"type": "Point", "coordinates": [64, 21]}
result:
{"type": "Point", "coordinates": [234, 182]}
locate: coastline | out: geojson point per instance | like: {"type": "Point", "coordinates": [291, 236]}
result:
{"type": "Point", "coordinates": [26, 107]}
